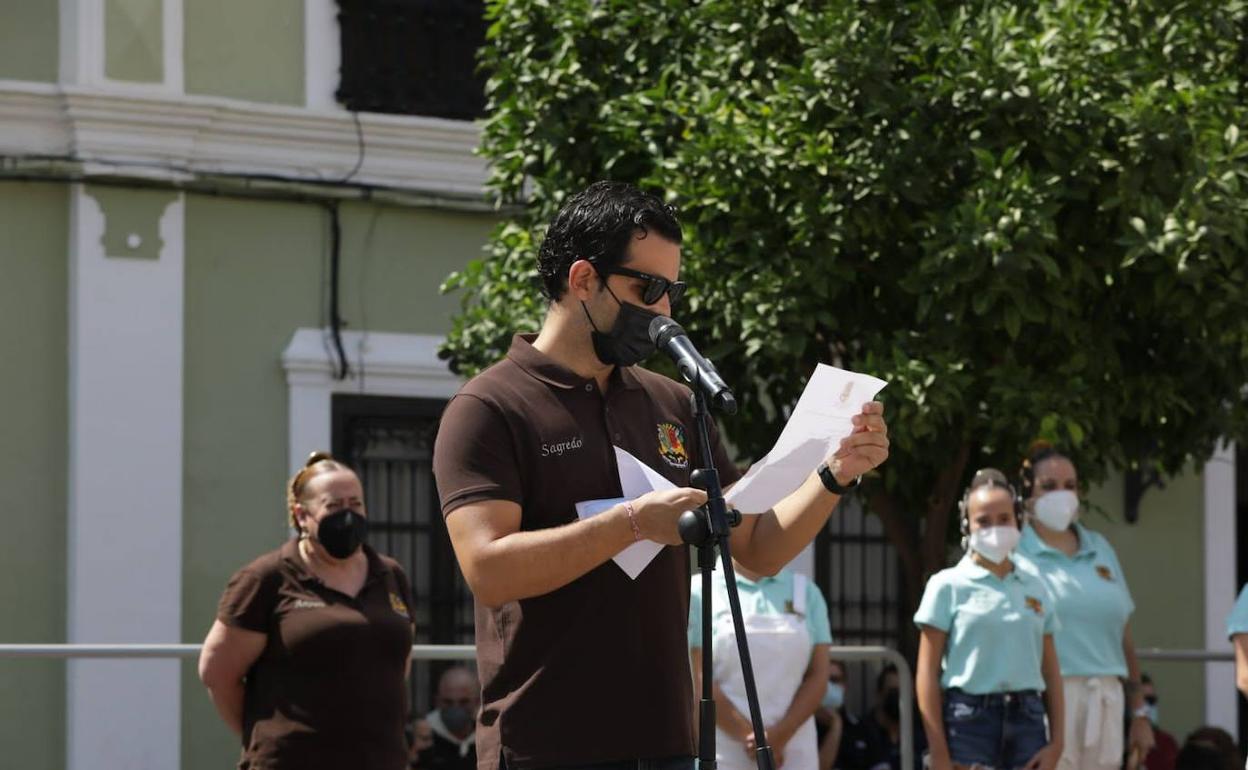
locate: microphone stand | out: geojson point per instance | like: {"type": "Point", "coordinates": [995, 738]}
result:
{"type": "Point", "coordinates": [707, 528]}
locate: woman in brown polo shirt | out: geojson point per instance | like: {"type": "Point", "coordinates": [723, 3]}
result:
{"type": "Point", "coordinates": [309, 653]}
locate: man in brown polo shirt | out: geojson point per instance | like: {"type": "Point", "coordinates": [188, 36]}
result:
{"type": "Point", "coordinates": [580, 665]}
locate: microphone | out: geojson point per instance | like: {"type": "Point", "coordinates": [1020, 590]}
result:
{"type": "Point", "coordinates": [669, 337]}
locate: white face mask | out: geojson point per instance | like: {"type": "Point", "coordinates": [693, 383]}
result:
{"type": "Point", "coordinates": [1057, 509]}
{"type": "Point", "coordinates": [834, 696]}
{"type": "Point", "coordinates": [994, 543]}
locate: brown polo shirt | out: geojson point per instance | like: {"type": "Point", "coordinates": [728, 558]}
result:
{"type": "Point", "coordinates": [597, 670]}
{"type": "Point", "coordinates": [329, 690]}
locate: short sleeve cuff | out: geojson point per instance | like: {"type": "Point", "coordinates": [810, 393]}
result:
{"type": "Point", "coordinates": [1237, 622]}
{"type": "Point", "coordinates": [934, 607]}
{"type": "Point", "coordinates": [940, 624]}
{"type": "Point", "coordinates": [479, 494]}
{"type": "Point", "coordinates": [244, 604]}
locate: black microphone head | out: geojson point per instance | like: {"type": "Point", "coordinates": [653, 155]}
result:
{"type": "Point", "coordinates": [663, 329]}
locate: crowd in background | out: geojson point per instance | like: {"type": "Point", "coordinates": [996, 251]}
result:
{"type": "Point", "coordinates": [1026, 657]}
{"type": "Point", "coordinates": [990, 684]}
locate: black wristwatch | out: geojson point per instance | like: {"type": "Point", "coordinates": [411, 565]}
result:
{"type": "Point", "coordinates": [831, 484]}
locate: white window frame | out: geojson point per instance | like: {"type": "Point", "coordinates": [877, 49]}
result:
{"type": "Point", "coordinates": [382, 364]}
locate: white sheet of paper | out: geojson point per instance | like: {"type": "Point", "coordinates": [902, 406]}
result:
{"type": "Point", "coordinates": [820, 420]}
{"type": "Point", "coordinates": [636, 479]}
{"type": "Point", "coordinates": [632, 559]}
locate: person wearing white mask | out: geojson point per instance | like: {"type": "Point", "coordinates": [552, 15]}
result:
{"type": "Point", "coordinates": [987, 674]}
{"type": "Point", "coordinates": [830, 717]}
{"type": "Point", "coordinates": [1094, 646]}
{"type": "Point", "coordinates": [786, 622]}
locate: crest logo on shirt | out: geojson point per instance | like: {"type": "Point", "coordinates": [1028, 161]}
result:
{"type": "Point", "coordinates": [397, 604]}
{"type": "Point", "coordinates": [1035, 605]}
{"type": "Point", "coordinates": [672, 445]}
{"type": "Point", "coordinates": [1104, 572]}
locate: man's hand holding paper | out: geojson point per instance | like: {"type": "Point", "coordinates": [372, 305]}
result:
{"type": "Point", "coordinates": [864, 448]}
{"type": "Point", "coordinates": [835, 421]}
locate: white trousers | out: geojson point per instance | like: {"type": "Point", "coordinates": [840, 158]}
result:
{"type": "Point", "coordinates": [1094, 723]}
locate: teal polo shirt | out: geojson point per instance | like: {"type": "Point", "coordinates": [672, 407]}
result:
{"type": "Point", "coordinates": [1237, 621]}
{"type": "Point", "coordinates": [769, 596]}
{"type": "Point", "coordinates": [1092, 600]}
{"type": "Point", "coordinates": [996, 627]}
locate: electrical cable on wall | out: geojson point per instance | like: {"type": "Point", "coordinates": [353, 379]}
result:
{"type": "Point", "coordinates": [359, 152]}
{"type": "Point", "coordinates": [365, 255]}
{"type": "Point", "coordinates": [342, 366]}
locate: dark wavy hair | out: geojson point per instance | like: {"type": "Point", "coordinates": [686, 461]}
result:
{"type": "Point", "coordinates": [1039, 451]}
{"type": "Point", "coordinates": [597, 224]}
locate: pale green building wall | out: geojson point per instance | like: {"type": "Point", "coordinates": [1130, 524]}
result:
{"type": "Point", "coordinates": [33, 457]}
{"type": "Point", "coordinates": [133, 40]}
{"type": "Point", "coordinates": [245, 49]}
{"type": "Point", "coordinates": [29, 35]}
{"type": "Point", "coordinates": [255, 273]}
{"type": "Point", "coordinates": [1163, 558]}
{"type": "Point", "coordinates": [252, 276]}
{"type": "Point", "coordinates": [394, 260]}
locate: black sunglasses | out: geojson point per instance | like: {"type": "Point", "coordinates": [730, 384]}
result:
{"type": "Point", "coordinates": [656, 285]}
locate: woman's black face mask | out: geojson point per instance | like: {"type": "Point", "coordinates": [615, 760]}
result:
{"type": "Point", "coordinates": [341, 533]}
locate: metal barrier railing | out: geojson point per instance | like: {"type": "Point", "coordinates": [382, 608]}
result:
{"type": "Point", "coordinates": [468, 652]}
{"type": "Point", "coordinates": [419, 651]}
{"type": "Point", "coordinates": [906, 736]}
{"type": "Point", "coordinates": [462, 652]}
{"type": "Point", "coordinates": [1196, 656]}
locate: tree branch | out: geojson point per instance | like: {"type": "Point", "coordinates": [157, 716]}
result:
{"type": "Point", "coordinates": [939, 505]}
{"type": "Point", "coordinates": [902, 532]}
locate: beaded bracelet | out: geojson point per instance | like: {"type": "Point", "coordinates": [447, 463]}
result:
{"type": "Point", "coordinates": [632, 521]}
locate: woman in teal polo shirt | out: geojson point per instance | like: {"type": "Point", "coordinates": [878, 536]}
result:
{"type": "Point", "coordinates": [1094, 646]}
{"type": "Point", "coordinates": [1237, 631]}
{"type": "Point", "coordinates": [987, 671]}
{"type": "Point", "coordinates": [786, 622]}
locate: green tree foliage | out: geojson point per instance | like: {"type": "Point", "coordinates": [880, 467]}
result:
{"type": "Point", "coordinates": [1029, 217]}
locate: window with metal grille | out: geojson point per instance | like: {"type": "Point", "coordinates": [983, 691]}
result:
{"type": "Point", "coordinates": [412, 57]}
{"type": "Point", "coordinates": [857, 569]}
{"type": "Point", "coordinates": [389, 441]}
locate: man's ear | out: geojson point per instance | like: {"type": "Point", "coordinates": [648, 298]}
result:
{"type": "Point", "coordinates": [583, 280]}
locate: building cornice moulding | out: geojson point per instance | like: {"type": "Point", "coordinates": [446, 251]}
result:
{"type": "Point", "coordinates": [382, 363]}
{"type": "Point", "coordinates": [152, 133]}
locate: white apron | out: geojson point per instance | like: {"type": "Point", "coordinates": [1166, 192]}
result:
{"type": "Point", "coordinates": [1094, 730]}
{"type": "Point", "coordinates": [780, 648]}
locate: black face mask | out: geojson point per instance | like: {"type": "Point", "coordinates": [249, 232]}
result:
{"type": "Point", "coordinates": [628, 342]}
{"type": "Point", "coordinates": [892, 704]}
{"type": "Point", "coordinates": [342, 533]}
{"type": "Point", "coordinates": [457, 719]}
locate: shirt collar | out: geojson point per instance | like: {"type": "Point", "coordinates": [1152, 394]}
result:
{"type": "Point", "coordinates": [1035, 544]}
{"type": "Point", "coordinates": [298, 568]}
{"type": "Point", "coordinates": [294, 561]}
{"type": "Point", "coordinates": [436, 723]}
{"type": "Point", "coordinates": [542, 367]}
{"type": "Point", "coordinates": [969, 568]}
{"type": "Point", "coordinates": [762, 580]}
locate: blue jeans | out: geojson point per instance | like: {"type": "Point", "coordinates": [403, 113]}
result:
{"type": "Point", "coordinates": [999, 730]}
